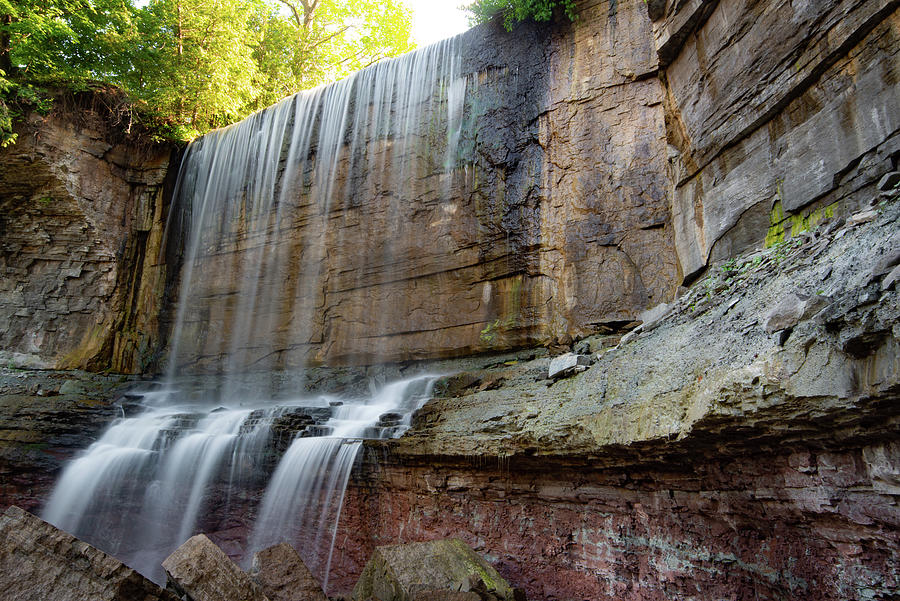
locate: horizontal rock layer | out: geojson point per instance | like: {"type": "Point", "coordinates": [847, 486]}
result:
{"type": "Point", "coordinates": [777, 112]}
{"type": "Point", "coordinates": [81, 225]}
{"type": "Point", "coordinates": [701, 458]}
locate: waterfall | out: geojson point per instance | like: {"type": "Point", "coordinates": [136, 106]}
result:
{"type": "Point", "coordinates": [261, 202]}
{"type": "Point", "coordinates": [254, 205]}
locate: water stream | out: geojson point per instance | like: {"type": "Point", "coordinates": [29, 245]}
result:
{"type": "Point", "coordinates": [253, 208]}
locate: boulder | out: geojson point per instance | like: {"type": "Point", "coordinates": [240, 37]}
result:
{"type": "Point", "coordinates": [283, 576]}
{"type": "Point", "coordinates": [568, 364]}
{"type": "Point", "coordinates": [201, 571]}
{"type": "Point", "coordinates": [792, 309]}
{"type": "Point", "coordinates": [423, 571]}
{"type": "Point", "coordinates": [889, 181]}
{"type": "Point", "coordinates": [39, 561]}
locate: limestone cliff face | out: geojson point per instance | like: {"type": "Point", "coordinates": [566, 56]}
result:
{"type": "Point", "coordinates": [777, 113]}
{"type": "Point", "coordinates": [551, 221]}
{"type": "Point", "coordinates": [700, 458]}
{"type": "Point", "coordinates": [601, 164]}
{"type": "Point", "coordinates": [81, 220]}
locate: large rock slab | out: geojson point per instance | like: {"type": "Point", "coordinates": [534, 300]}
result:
{"type": "Point", "coordinates": [202, 571]}
{"type": "Point", "coordinates": [283, 576]}
{"type": "Point", "coordinates": [781, 113]}
{"type": "Point", "coordinates": [39, 561]}
{"type": "Point", "coordinates": [419, 570]}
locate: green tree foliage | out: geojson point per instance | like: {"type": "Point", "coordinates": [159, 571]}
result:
{"type": "Point", "coordinates": [515, 11]}
{"type": "Point", "coordinates": [193, 64]}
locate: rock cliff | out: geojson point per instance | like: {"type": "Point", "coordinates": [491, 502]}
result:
{"type": "Point", "coordinates": [700, 458]}
{"type": "Point", "coordinates": [741, 444]}
{"type": "Point", "coordinates": [81, 224]}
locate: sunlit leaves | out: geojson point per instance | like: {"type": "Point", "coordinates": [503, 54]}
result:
{"type": "Point", "coordinates": [514, 11]}
{"type": "Point", "coordinates": [197, 64]}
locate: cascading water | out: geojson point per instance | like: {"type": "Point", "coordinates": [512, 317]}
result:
{"type": "Point", "coordinates": [149, 482]}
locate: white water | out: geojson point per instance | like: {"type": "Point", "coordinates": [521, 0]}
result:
{"type": "Point", "coordinates": [147, 485]}
{"type": "Point", "coordinates": [250, 299]}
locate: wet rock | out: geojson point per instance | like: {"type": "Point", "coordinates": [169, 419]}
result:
{"type": "Point", "coordinates": [283, 576]}
{"type": "Point", "coordinates": [388, 420]}
{"type": "Point", "coordinates": [200, 570]}
{"type": "Point", "coordinates": [402, 572]}
{"type": "Point", "coordinates": [38, 561]}
{"type": "Point", "coordinates": [567, 365]}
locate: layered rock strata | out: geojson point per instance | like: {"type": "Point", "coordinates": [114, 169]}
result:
{"type": "Point", "coordinates": [700, 458]}
{"type": "Point", "coordinates": [81, 225]}
{"type": "Point", "coordinates": [46, 418]}
{"type": "Point", "coordinates": [777, 113]}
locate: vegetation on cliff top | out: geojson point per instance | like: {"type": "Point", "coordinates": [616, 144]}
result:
{"type": "Point", "coordinates": [515, 11]}
{"type": "Point", "coordinates": [189, 65]}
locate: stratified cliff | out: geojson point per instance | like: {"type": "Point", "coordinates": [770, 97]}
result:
{"type": "Point", "coordinates": [81, 223]}
{"type": "Point", "coordinates": [715, 161]}
{"type": "Point", "coordinates": [702, 457]}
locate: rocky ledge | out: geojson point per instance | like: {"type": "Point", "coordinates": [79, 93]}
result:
{"type": "Point", "coordinates": [741, 443]}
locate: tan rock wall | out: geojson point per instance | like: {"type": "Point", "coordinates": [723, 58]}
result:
{"type": "Point", "coordinates": [552, 220]}
{"type": "Point", "coordinates": [81, 220]}
{"type": "Point", "coordinates": [775, 109]}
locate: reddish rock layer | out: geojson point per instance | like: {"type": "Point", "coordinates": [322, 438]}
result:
{"type": "Point", "coordinates": [785, 523]}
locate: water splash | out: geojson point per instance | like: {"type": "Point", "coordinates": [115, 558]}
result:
{"type": "Point", "coordinates": [147, 485]}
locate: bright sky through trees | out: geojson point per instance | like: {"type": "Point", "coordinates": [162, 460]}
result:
{"type": "Point", "coordinates": [435, 20]}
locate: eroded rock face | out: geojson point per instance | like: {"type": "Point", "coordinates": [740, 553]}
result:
{"type": "Point", "coordinates": [699, 459]}
{"type": "Point", "coordinates": [81, 208]}
{"type": "Point", "coordinates": [38, 561]}
{"type": "Point", "coordinates": [778, 113]}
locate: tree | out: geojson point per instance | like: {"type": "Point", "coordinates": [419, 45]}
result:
{"type": "Point", "coordinates": [332, 39]}
{"type": "Point", "coordinates": [196, 64]}
{"type": "Point", "coordinates": [515, 11]}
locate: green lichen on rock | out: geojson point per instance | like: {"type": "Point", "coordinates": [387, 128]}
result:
{"type": "Point", "coordinates": [400, 572]}
{"type": "Point", "coordinates": [797, 224]}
